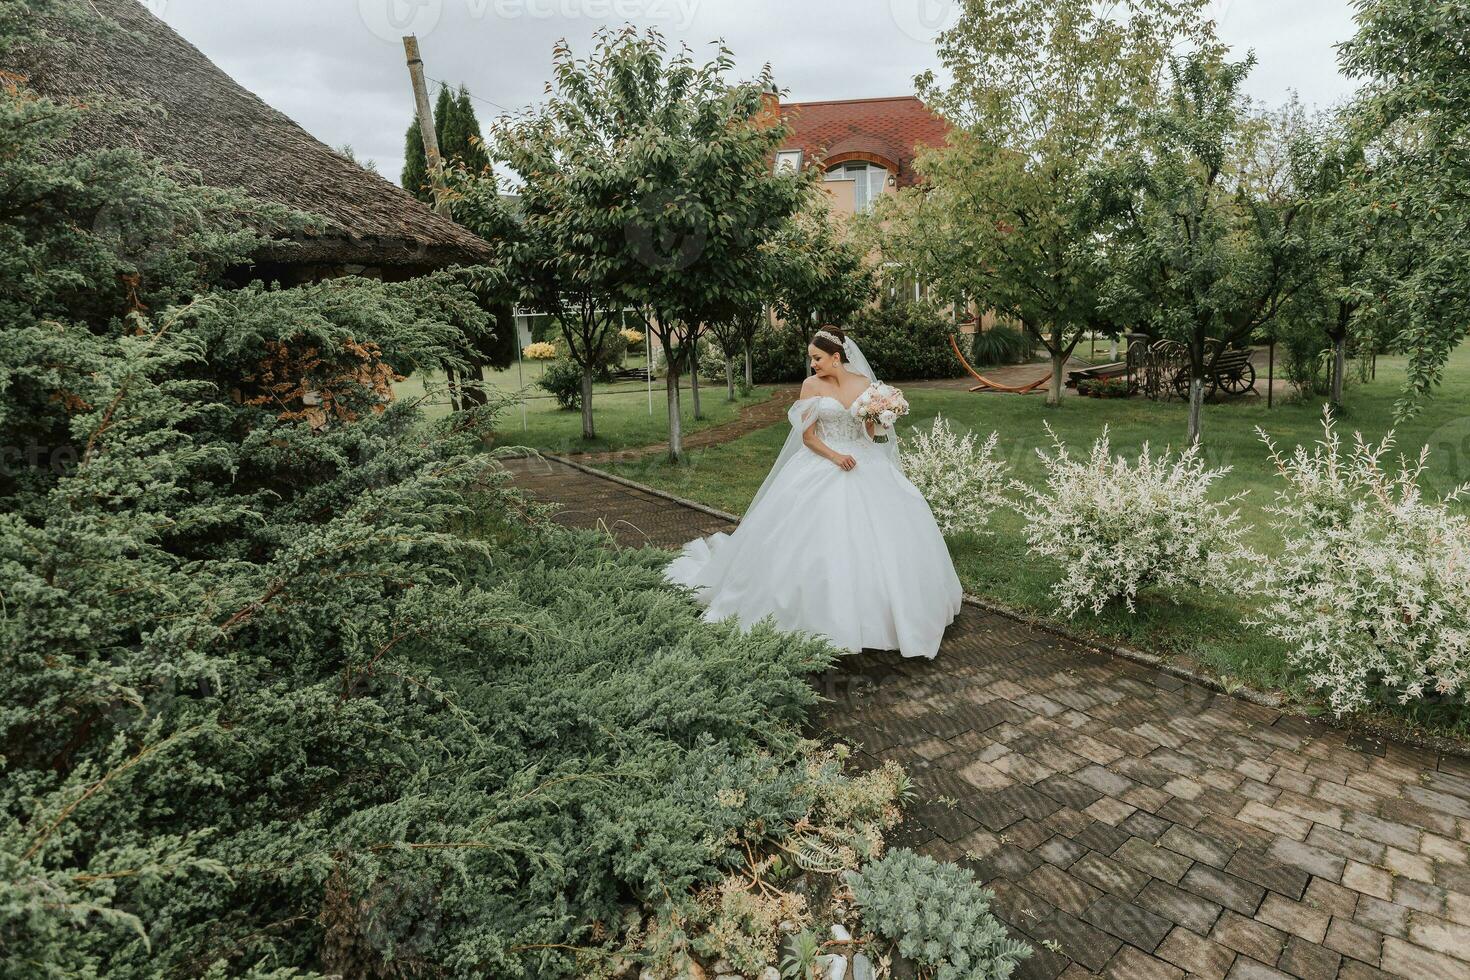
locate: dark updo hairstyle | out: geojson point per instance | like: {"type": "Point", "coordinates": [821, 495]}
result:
{"type": "Point", "coordinates": [831, 347]}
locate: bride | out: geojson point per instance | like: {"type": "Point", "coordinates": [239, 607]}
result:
{"type": "Point", "coordinates": [837, 541]}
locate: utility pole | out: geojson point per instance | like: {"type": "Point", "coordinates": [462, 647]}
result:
{"type": "Point", "coordinates": [460, 397]}
{"type": "Point", "coordinates": [426, 122]}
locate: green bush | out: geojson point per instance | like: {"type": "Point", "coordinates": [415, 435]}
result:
{"type": "Point", "coordinates": [937, 915]}
{"type": "Point", "coordinates": [906, 341]}
{"type": "Point", "coordinates": [291, 685]}
{"type": "Point", "coordinates": [563, 378]}
{"type": "Point", "coordinates": [778, 355]}
{"type": "Point", "coordinates": [1001, 345]}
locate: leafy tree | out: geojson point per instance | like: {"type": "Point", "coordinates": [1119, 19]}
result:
{"type": "Point", "coordinates": [1215, 243]}
{"type": "Point", "coordinates": [1339, 240]}
{"type": "Point", "coordinates": [647, 182]}
{"type": "Point", "coordinates": [461, 143]}
{"type": "Point", "coordinates": [819, 272]}
{"type": "Point", "coordinates": [1041, 92]}
{"type": "Point", "coordinates": [1415, 179]}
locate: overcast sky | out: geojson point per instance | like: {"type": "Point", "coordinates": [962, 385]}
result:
{"type": "Point", "coordinates": [336, 66]}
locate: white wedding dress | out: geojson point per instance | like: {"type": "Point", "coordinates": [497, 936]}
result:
{"type": "Point", "coordinates": [854, 555]}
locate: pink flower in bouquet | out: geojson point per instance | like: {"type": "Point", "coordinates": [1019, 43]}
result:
{"type": "Point", "coordinates": [883, 405]}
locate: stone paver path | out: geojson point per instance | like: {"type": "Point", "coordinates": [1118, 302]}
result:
{"type": "Point", "coordinates": [1133, 825]}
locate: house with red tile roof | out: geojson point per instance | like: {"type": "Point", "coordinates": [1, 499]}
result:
{"type": "Point", "coordinates": [865, 147]}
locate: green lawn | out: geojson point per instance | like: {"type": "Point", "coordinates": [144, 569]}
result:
{"type": "Point", "coordinates": [1207, 629]}
{"type": "Point", "coordinates": [620, 412]}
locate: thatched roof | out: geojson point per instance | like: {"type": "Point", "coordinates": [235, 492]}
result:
{"type": "Point", "coordinates": [211, 124]}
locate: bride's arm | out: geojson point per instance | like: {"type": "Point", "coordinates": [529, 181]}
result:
{"type": "Point", "coordinates": [814, 442]}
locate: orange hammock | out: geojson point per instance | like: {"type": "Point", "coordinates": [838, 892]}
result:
{"type": "Point", "coordinates": [987, 385]}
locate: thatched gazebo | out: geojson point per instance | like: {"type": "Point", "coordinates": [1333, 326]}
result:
{"type": "Point", "coordinates": [198, 116]}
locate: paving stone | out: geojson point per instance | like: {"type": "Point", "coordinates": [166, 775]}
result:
{"type": "Point", "coordinates": [1308, 857]}
{"type": "Point", "coordinates": [1138, 926]}
{"type": "Point", "coordinates": [1252, 865]}
{"type": "Point", "coordinates": [1408, 960]}
{"type": "Point", "coordinates": [1223, 889]}
{"type": "Point", "coordinates": [1069, 791]}
{"type": "Point", "coordinates": [1101, 837]}
{"type": "Point", "coordinates": [1177, 905]}
{"type": "Point", "coordinates": [1308, 960]}
{"type": "Point", "coordinates": [1419, 896]}
{"type": "Point", "coordinates": [1255, 939]}
{"type": "Point", "coordinates": [1297, 918]}
{"type": "Point", "coordinates": [1130, 964]}
{"type": "Point", "coordinates": [1364, 851]}
{"type": "Point", "coordinates": [1158, 861]}
{"type": "Point", "coordinates": [1199, 846]}
{"type": "Point", "coordinates": [1435, 933]}
{"type": "Point", "coordinates": [948, 822]}
{"type": "Point", "coordinates": [1385, 917]}
{"type": "Point", "coordinates": [1274, 820]}
{"type": "Point", "coordinates": [1195, 955]}
{"type": "Point", "coordinates": [1368, 880]}
{"type": "Point", "coordinates": [1383, 831]}
{"type": "Point", "coordinates": [1061, 889]}
{"type": "Point", "coordinates": [1110, 810]}
{"type": "Point", "coordinates": [1354, 970]}
{"type": "Point", "coordinates": [1145, 825]}
{"type": "Point", "coordinates": [1086, 944]}
{"type": "Point", "coordinates": [1110, 876]}
{"type": "Point", "coordinates": [1354, 941]}
{"type": "Point", "coordinates": [1331, 898]}
{"type": "Point", "coordinates": [1060, 851]}
{"type": "Point", "coordinates": [1104, 781]}
{"type": "Point", "coordinates": [1246, 968]}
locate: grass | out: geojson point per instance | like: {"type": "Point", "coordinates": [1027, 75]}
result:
{"type": "Point", "coordinates": [1210, 630]}
{"type": "Point", "coordinates": [621, 413]}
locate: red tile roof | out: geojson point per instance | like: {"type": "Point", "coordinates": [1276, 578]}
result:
{"type": "Point", "coordinates": [891, 129]}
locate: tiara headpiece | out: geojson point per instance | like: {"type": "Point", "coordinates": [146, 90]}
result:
{"type": "Point", "coordinates": [831, 336]}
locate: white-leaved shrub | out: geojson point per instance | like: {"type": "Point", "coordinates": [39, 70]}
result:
{"type": "Point", "coordinates": [1371, 585]}
{"type": "Point", "coordinates": [1118, 526]}
{"type": "Point", "coordinates": [959, 476]}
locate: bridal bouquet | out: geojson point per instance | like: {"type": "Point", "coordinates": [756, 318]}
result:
{"type": "Point", "coordinates": [882, 405]}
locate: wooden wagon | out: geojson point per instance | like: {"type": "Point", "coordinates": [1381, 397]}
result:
{"type": "Point", "coordinates": [1161, 369]}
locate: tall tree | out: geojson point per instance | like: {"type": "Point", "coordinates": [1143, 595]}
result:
{"type": "Point", "coordinates": [1041, 92]}
{"type": "Point", "coordinates": [817, 271]}
{"type": "Point", "coordinates": [1216, 242]}
{"type": "Point", "coordinates": [415, 176]}
{"type": "Point", "coordinates": [461, 143]}
{"type": "Point", "coordinates": [1415, 180]}
{"type": "Point", "coordinates": [696, 150]}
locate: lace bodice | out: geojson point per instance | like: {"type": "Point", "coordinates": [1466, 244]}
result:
{"type": "Point", "coordinates": [837, 426]}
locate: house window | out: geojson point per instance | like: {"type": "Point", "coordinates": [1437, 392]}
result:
{"type": "Point", "coordinates": [868, 179]}
{"type": "Point", "coordinates": [788, 160]}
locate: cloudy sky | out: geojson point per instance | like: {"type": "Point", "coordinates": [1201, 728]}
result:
{"type": "Point", "coordinates": [336, 66]}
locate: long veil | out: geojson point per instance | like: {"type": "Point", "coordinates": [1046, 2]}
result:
{"type": "Point", "coordinates": [804, 412]}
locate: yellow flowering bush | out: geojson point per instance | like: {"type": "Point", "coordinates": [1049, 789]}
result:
{"type": "Point", "coordinates": [540, 351]}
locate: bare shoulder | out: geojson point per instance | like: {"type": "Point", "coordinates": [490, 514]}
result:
{"type": "Point", "coordinates": [814, 386]}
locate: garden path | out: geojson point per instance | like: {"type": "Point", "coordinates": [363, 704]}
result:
{"type": "Point", "coordinates": [1132, 824]}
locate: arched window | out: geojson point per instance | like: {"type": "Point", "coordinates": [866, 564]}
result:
{"type": "Point", "coordinates": [868, 179]}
